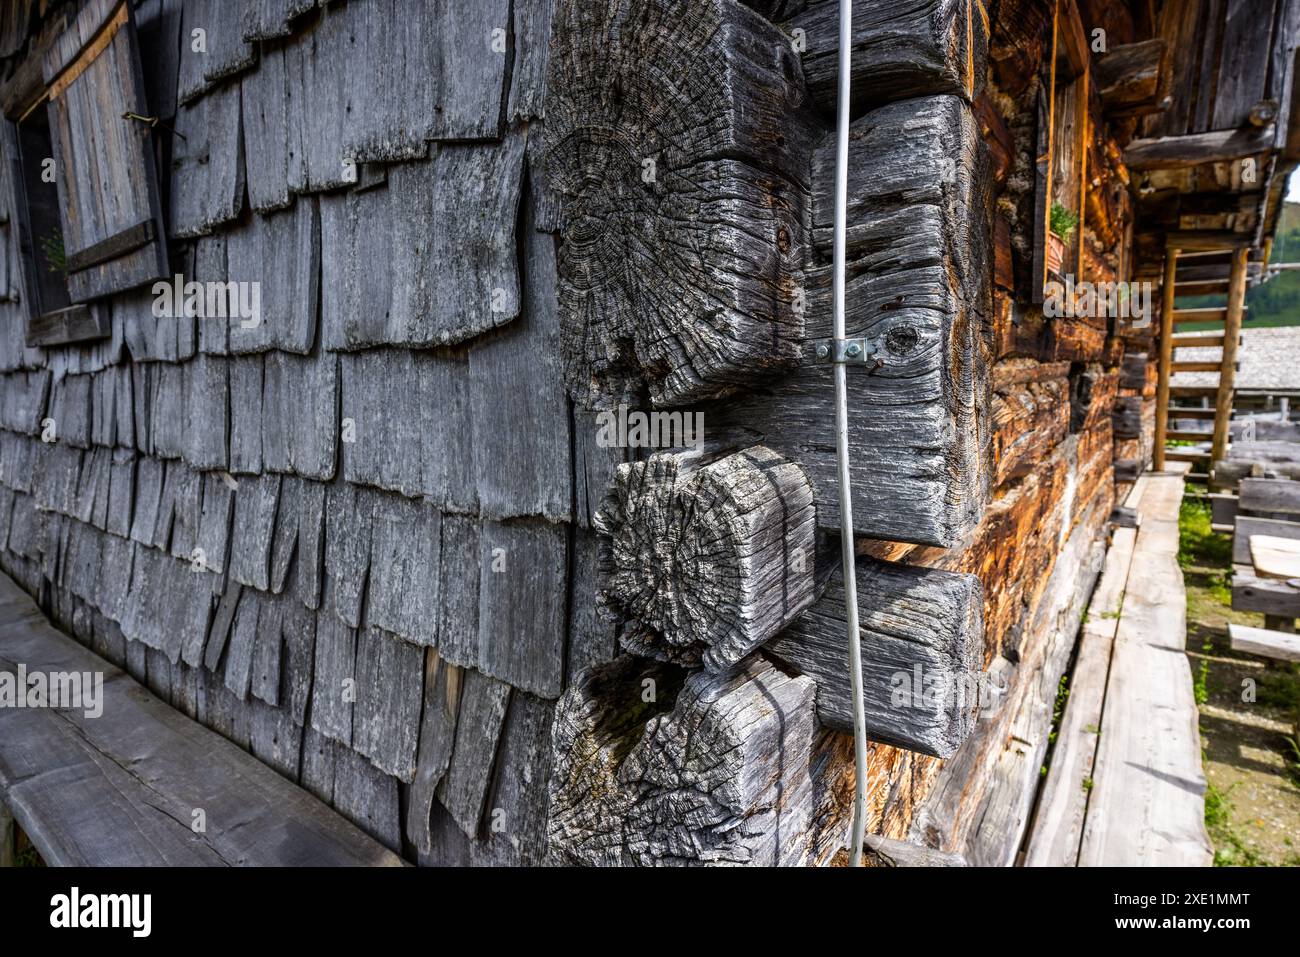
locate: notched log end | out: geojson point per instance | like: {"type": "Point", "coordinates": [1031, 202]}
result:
{"type": "Point", "coordinates": [677, 148]}
{"type": "Point", "coordinates": [719, 774]}
{"type": "Point", "coordinates": [710, 559]}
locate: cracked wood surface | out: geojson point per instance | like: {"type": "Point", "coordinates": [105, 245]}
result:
{"type": "Point", "coordinates": [715, 557]}
{"type": "Point", "coordinates": [680, 157]}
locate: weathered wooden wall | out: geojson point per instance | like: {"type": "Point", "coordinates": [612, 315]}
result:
{"type": "Point", "coordinates": [354, 538]}
{"type": "Point", "coordinates": [367, 539]}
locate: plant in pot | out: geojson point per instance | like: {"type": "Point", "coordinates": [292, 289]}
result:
{"type": "Point", "coordinates": [1061, 223]}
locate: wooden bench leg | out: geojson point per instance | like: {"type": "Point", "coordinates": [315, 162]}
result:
{"type": "Point", "coordinates": [1279, 623]}
{"type": "Point", "coordinates": [8, 837]}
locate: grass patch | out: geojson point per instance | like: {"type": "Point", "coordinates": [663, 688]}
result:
{"type": "Point", "coordinates": [1198, 544]}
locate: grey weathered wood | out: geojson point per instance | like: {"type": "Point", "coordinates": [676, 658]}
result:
{"type": "Point", "coordinates": [219, 628]}
{"type": "Point", "coordinates": [715, 556]}
{"type": "Point", "coordinates": [120, 789]}
{"type": "Point", "coordinates": [281, 253]}
{"type": "Point", "coordinates": [887, 852]}
{"type": "Point", "coordinates": [521, 427]}
{"type": "Point", "coordinates": [246, 414]}
{"type": "Point", "coordinates": [300, 430]}
{"type": "Point", "coordinates": [463, 789]}
{"type": "Point", "coordinates": [368, 797]}
{"type": "Point", "coordinates": [523, 568]}
{"type": "Point", "coordinates": [919, 286]}
{"type": "Point", "coordinates": [1147, 806]}
{"type": "Point", "coordinates": [284, 544]}
{"type": "Point", "coordinates": [402, 246]}
{"type": "Point", "coordinates": [515, 829]}
{"type": "Point", "coordinates": [471, 72]}
{"type": "Point", "coordinates": [265, 116]}
{"type": "Point", "coordinates": [108, 183]}
{"type": "Point", "coordinates": [899, 50]}
{"type": "Point", "coordinates": [1062, 804]}
{"type": "Point", "coordinates": [242, 645]}
{"type": "Point", "coordinates": [390, 686]}
{"type": "Point", "coordinates": [207, 182]}
{"type": "Point", "coordinates": [298, 629]}
{"type": "Point", "coordinates": [1223, 508]}
{"type": "Point", "coordinates": [532, 33]}
{"type": "Point", "coordinates": [347, 549]}
{"type": "Point", "coordinates": [1282, 646]}
{"type": "Point", "coordinates": [1269, 495]}
{"type": "Point", "coordinates": [1127, 417]}
{"type": "Point", "coordinates": [1248, 525]}
{"type": "Point", "coordinates": [394, 64]}
{"type": "Point", "coordinates": [334, 685]}
{"type": "Point", "coordinates": [714, 773]}
{"type": "Point", "coordinates": [1268, 596]}
{"type": "Point", "coordinates": [404, 569]}
{"type": "Point", "coordinates": [391, 442]}
{"type": "Point", "coordinates": [458, 586]}
{"type": "Point", "coordinates": [256, 502]}
{"type": "Point", "coordinates": [268, 654]}
{"type": "Point", "coordinates": [684, 285]}
{"type": "Point", "coordinates": [922, 641]}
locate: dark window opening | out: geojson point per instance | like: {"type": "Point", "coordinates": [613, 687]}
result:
{"type": "Point", "coordinates": [42, 239]}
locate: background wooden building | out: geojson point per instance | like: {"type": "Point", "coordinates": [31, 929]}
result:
{"type": "Point", "coordinates": [377, 539]}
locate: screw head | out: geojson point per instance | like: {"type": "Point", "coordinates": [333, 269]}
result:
{"type": "Point", "coordinates": [823, 351]}
{"type": "Point", "coordinates": [853, 350]}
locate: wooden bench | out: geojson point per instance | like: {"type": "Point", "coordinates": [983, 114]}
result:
{"type": "Point", "coordinates": [131, 785]}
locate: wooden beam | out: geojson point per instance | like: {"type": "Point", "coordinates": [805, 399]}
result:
{"type": "Point", "coordinates": [1128, 78]}
{"type": "Point", "coordinates": [1270, 495]}
{"type": "Point", "coordinates": [1267, 644]}
{"type": "Point", "coordinates": [922, 636]}
{"type": "Point", "coordinates": [899, 51]}
{"type": "Point", "coordinates": [680, 162]}
{"type": "Point", "coordinates": [654, 766]}
{"type": "Point", "coordinates": [919, 289]}
{"type": "Point", "coordinates": [1193, 149]}
{"type": "Point", "coordinates": [1228, 370]}
{"type": "Point", "coordinates": [711, 557]}
{"type": "Point", "coordinates": [1166, 357]}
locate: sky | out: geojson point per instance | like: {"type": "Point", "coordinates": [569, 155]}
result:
{"type": "Point", "coordinates": [1293, 187]}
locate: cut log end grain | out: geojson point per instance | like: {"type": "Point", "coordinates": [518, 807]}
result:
{"type": "Point", "coordinates": [680, 159]}
{"type": "Point", "coordinates": [713, 559]}
{"type": "Point", "coordinates": [651, 768]}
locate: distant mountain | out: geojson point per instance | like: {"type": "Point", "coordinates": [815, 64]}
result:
{"type": "Point", "coordinates": [1277, 302]}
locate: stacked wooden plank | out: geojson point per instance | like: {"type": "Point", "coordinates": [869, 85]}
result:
{"type": "Point", "coordinates": [1124, 783]}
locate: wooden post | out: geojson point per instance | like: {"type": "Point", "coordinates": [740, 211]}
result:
{"type": "Point", "coordinates": [1166, 358]}
{"type": "Point", "coordinates": [1228, 371]}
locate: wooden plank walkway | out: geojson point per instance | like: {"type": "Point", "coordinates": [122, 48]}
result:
{"type": "Point", "coordinates": [123, 787]}
{"type": "Point", "coordinates": [1125, 785]}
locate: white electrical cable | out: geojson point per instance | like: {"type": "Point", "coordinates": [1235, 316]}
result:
{"type": "Point", "coordinates": [858, 832]}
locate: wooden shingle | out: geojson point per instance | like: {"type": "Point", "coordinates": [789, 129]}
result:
{"type": "Point", "coordinates": [390, 685]}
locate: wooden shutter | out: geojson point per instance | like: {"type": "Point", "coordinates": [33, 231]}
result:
{"type": "Point", "coordinates": [113, 233]}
